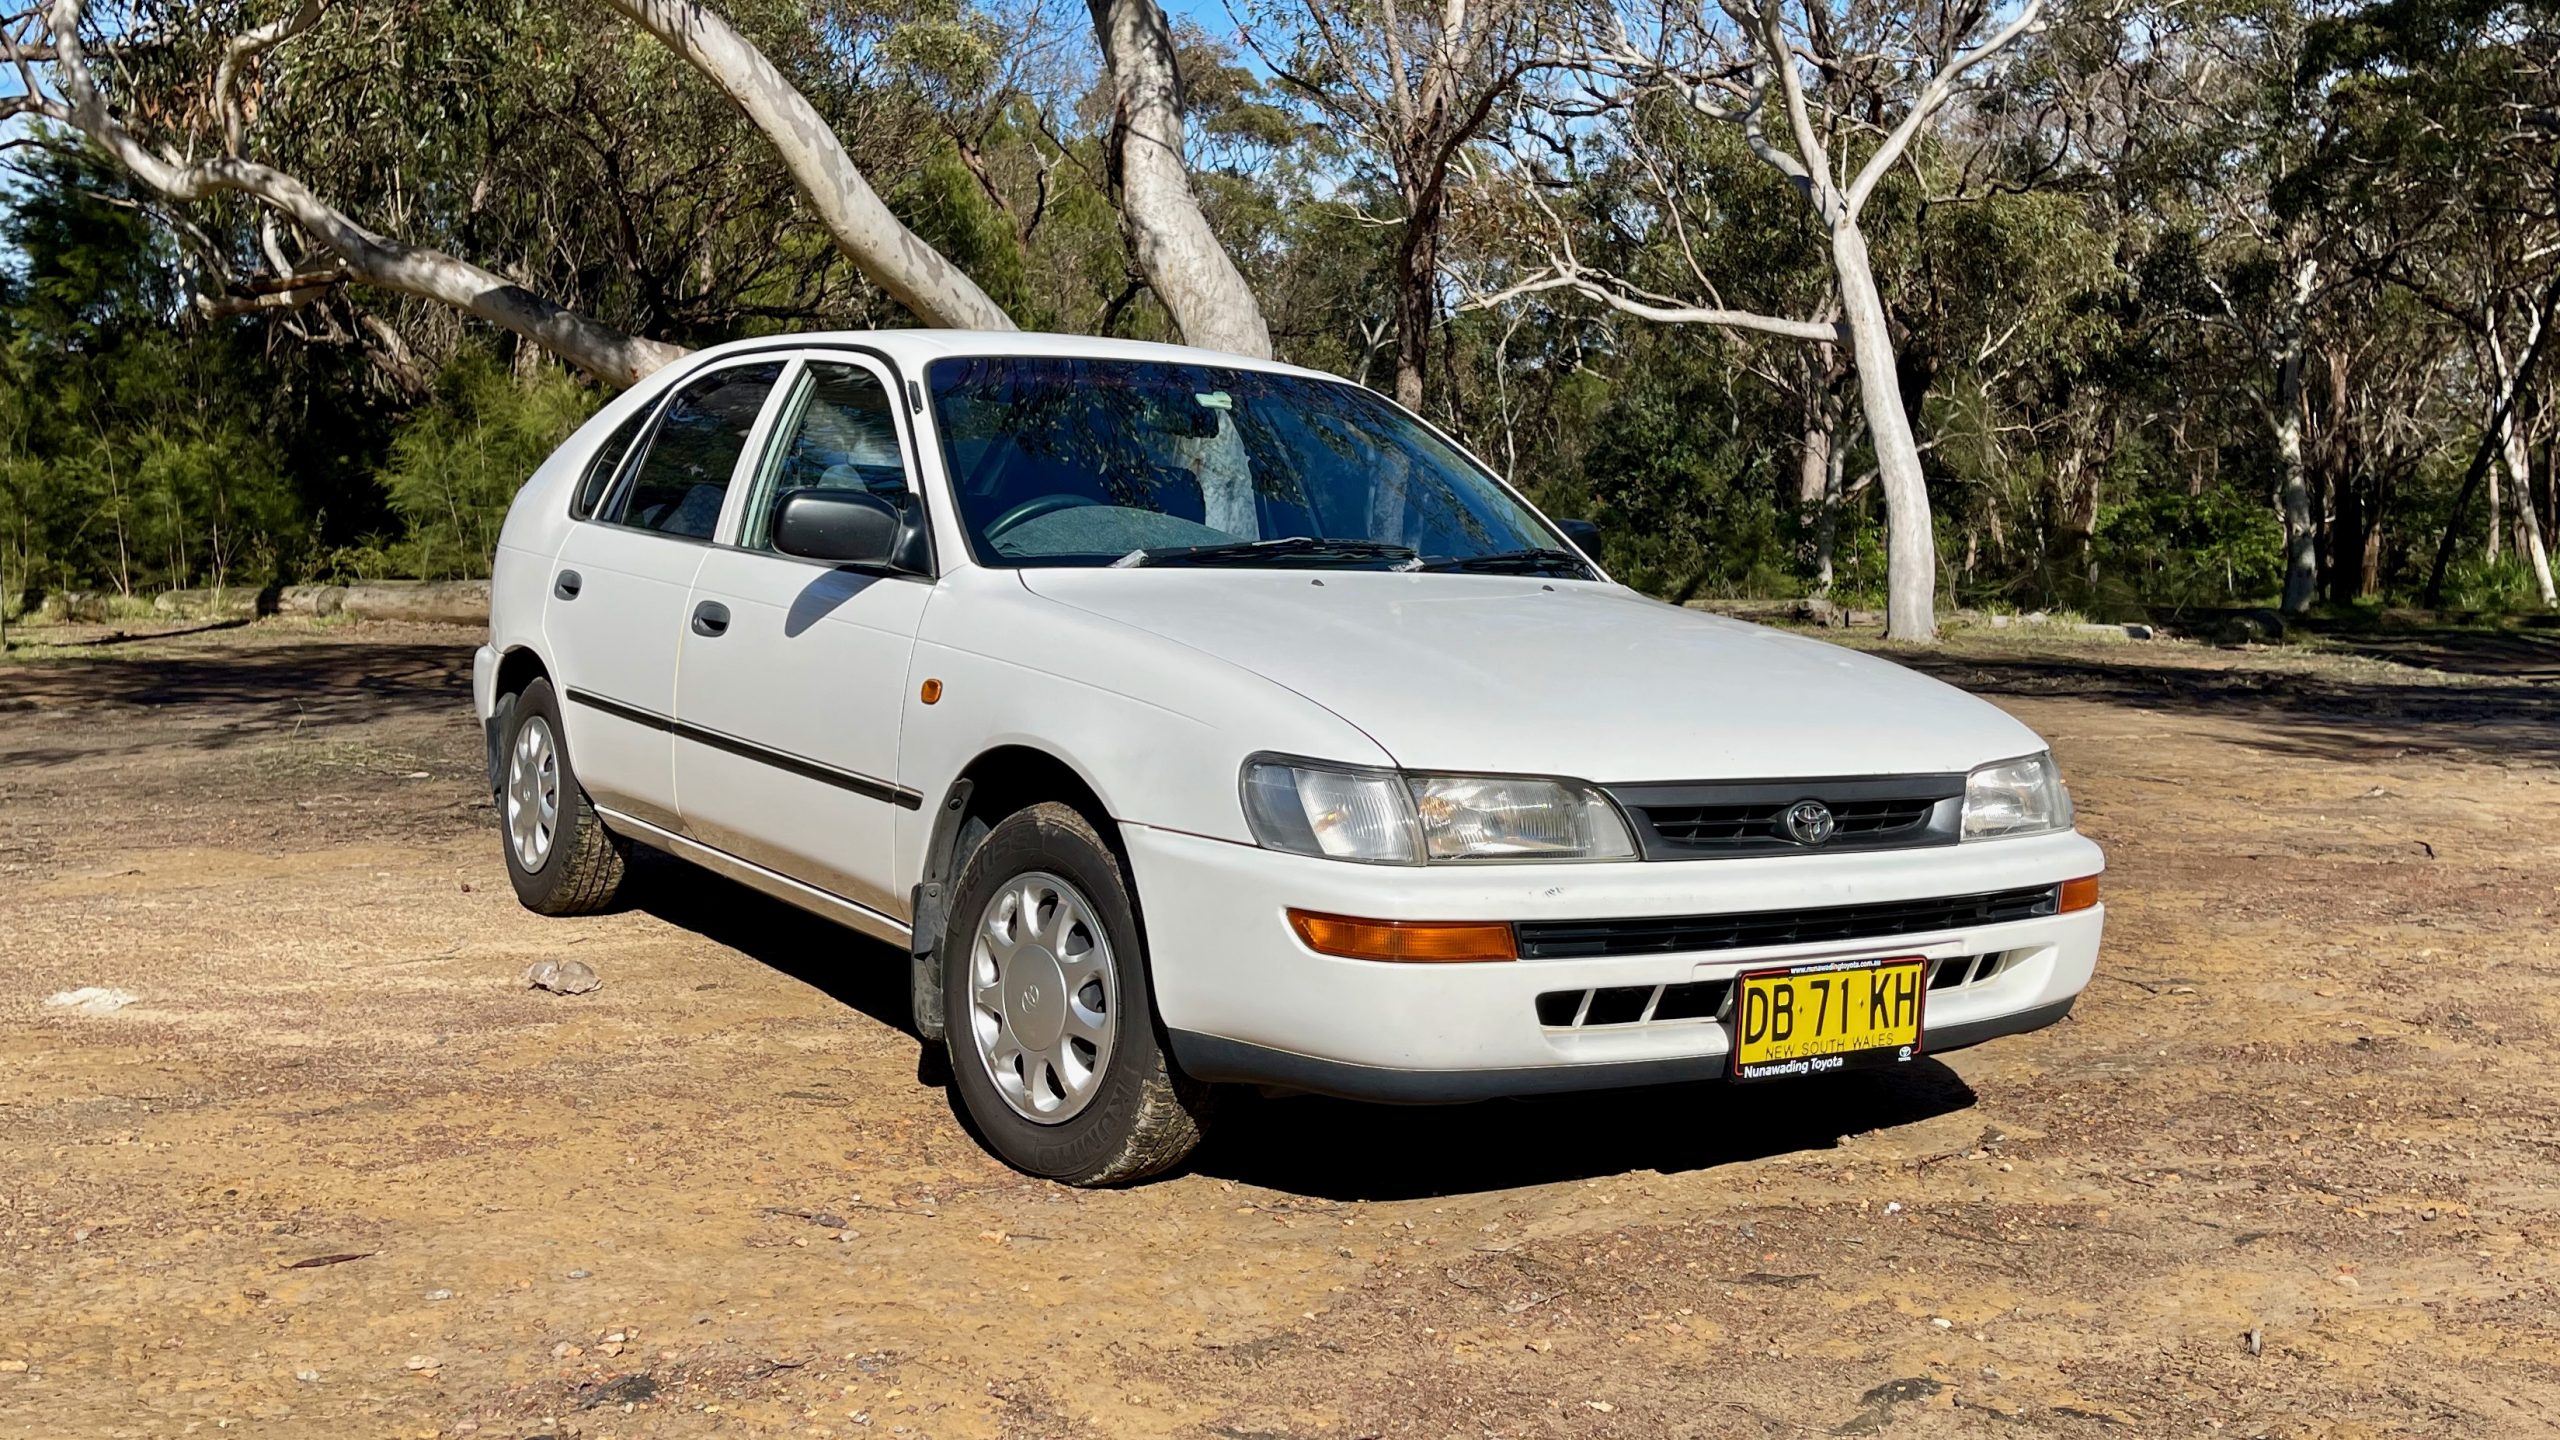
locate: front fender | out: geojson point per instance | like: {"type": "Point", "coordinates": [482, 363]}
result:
{"type": "Point", "coordinates": [1158, 731]}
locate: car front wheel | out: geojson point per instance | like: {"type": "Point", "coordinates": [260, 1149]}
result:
{"type": "Point", "coordinates": [561, 858]}
{"type": "Point", "coordinates": [1056, 1059]}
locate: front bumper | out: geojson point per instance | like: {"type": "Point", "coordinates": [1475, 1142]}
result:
{"type": "Point", "coordinates": [1244, 1000]}
{"type": "Point", "coordinates": [484, 683]}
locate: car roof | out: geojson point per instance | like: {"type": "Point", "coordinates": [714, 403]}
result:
{"type": "Point", "coordinates": [921, 347]}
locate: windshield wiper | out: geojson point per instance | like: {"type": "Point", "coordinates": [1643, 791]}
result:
{"type": "Point", "coordinates": [1539, 561]}
{"type": "Point", "coordinates": [1246, 552]}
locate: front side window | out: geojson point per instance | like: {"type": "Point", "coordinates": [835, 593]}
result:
{"type": "Point", "coordinates": [837, 432]}
{"type": "Point", "coordinates": [1060, 461]}
{"type": "Point", "coordinates": [679, 484]}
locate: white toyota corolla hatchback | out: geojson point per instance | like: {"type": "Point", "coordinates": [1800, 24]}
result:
{"type": "Point", "coordinates": [1191, 720]}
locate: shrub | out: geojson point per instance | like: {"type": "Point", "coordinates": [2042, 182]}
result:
{"type": "Point", "coordinates": [457, 461]}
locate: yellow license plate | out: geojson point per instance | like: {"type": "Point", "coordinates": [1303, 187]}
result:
{"type": "Point", "coordinates": [1816, 1018]}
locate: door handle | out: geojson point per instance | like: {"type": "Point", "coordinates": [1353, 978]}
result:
{"type": "Point", "coordinates": [711, 619]}
{"type": "Point", "coordinates": [566, 587]}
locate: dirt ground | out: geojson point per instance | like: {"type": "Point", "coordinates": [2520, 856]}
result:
{"type": "Point", "coordinates": [2293, 1168]}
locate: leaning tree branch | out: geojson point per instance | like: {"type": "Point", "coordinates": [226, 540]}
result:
{"type": "Point", "coordinates": [599, 349]}
{"type": "Point", "coordinates": [1563, 274]}
{"type": "Point", "coordinates": [264, 300]}
{"type": "Point", "coordinates": [880, 245]}
{"type": "Point", "coordinates": [1184, 263]}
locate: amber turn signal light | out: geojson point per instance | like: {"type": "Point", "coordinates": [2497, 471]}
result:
{"type": "Point", "coordinates": [2079, 894]}
{"type": "Point", "coordinates": [1409, 941]}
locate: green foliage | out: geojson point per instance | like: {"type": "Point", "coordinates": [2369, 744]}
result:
{"type": "Point", "coordinates": [1688, 505]}
{"type": "Point", "coordinates": [946, 206]}
{"type": "Point", "coordinates": [128, 455]}
{"type": "Point", "coordinates": [2218, 548]}
{"type": "Point", "coordinates": [459, 459]}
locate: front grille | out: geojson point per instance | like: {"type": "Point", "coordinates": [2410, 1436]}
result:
{"type": "Point", "coordinates": [1686, 934]}
{"type": "Point", "coordinates": [1701, 826]}
{"type": "Point", "coordinates": [1612, 1006]}
{"type": "Point", "coordinates": [1736, 818]}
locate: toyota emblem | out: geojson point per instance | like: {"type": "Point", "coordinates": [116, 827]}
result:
{"type": "Point", "coordinates": [1810, 822]}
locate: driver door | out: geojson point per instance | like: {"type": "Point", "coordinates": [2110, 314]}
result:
{"type": "Point", "coordinates": [793, 674]}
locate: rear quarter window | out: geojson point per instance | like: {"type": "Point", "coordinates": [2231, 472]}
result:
{"type": "Point", "coordinates": [605, 464]}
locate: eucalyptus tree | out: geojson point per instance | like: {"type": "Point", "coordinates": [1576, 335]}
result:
{"type": "Point", "coordinates": [1831, 95]}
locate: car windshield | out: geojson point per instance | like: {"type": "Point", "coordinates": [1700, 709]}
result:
{"type": "Point", "coordinates": [1061, 461]}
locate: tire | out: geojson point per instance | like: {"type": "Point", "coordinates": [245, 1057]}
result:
{"type": "Point", "coordinates": [1135, 1115]}
{"type": "Point", "coordinates": [579, 868]}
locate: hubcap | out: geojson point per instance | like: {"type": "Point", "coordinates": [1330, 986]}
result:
{"type": "Point", "coordinates": [1044, 1000]}
{"type": "Point", "coordinates": [533, 793]}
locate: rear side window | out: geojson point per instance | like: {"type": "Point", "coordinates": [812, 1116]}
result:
{"type": "Point", "coordinates": [606, 465]}
{"type": "Point", "coordinates": [678, 485]}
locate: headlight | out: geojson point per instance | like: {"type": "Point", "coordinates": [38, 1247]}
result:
{"type": "Point", "coordinates": [2015, 797]}
{"type": "Point", "coordinates": [1387, 818]}
{"type": "Point", "coordinates": [1346, 814]}
{"type": "Point", "coordinates": [1468, 817]}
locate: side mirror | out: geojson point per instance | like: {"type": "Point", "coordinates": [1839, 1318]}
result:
{"type": "Point", "coordinates": [850, 527]}
{"type": "Point", "coordinates": [1584, 535]}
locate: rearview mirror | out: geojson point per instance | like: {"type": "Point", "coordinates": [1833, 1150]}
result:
{"type": "Point", "coordinates": [1584, 535]}
{"type": "Point", "coordinates": [850, 527]}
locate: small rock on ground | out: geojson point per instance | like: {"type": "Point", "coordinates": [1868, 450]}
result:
{"type": "Point", "coordinates": [562, 977]}
{"type": "Point", "coordinates": [92, 1000]}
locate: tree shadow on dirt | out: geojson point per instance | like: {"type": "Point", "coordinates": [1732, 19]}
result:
{"type": "Point", "coordinates": [1343, 1150]}
{"type": "Point", "coordinates": [233, 697]}
{"type": "Point", "coordinates": [2340, 713]}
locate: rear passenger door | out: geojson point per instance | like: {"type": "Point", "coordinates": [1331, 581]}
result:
{"type": "Point", "coordinates": [616, 611]}
{"type": "Point", "coordinates": [794, 673]}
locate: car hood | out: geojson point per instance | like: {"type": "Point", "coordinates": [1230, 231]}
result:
{"type": "Point", "coordinates": [1506, 674]}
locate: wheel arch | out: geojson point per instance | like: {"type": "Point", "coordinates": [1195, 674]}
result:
{"type": "Point", "coordinates": [518, 667]}
{"type": "Point", "coordinates": [996, 783]}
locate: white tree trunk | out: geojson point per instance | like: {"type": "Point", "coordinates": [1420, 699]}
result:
{"type": "Point", "coordinates": [1185, 265]}
{"type": "Point", "coordinates": [887, 253]}
{"type": "Point", "coordinates": [2518, 459]}
{"type": "Point", "coordinates": [2515, 451]}
{"type": "Point", "coordinates": [2301, 546]}
{"type": "Point", "coordinates": [1820, 469]}
{"type": "Point", "coordinates": [1911, 551]}
{"type": "Point", "coordinates": [2497, 517]}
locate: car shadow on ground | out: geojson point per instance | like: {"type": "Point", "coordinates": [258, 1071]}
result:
{"type": "Point", "coordinates": [1342, 1150]}
{"type": "Point", "coordinates": [848, 966]}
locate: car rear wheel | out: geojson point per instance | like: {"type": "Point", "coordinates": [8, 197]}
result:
{"type": "Point", "coordinates": [561, 858]}
{"type": "Point", "coordinates": [1056, 1059]}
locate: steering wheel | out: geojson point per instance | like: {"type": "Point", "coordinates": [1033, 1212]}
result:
{"type": "Point", "coordinates": [1033, 509]}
